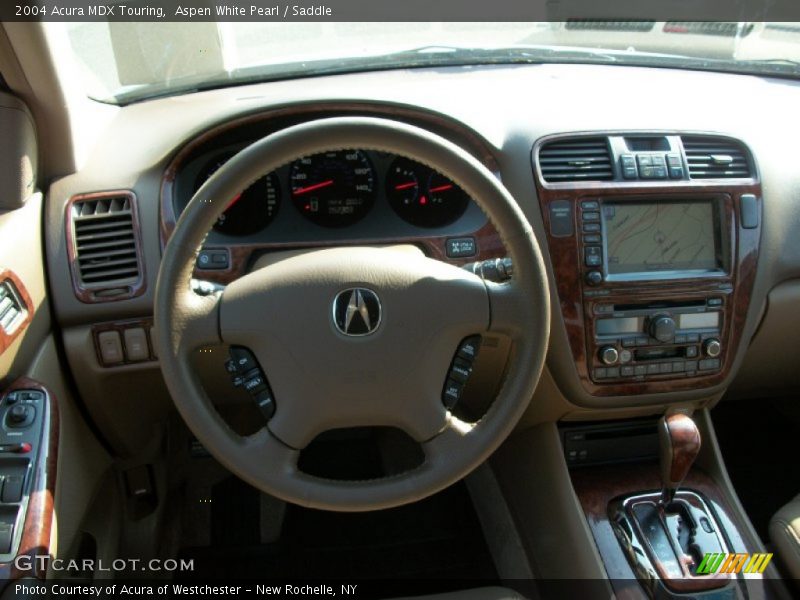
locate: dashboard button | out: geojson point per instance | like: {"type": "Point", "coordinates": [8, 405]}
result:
{"type": "Point", "coordinates": [461, 247]}
{"type": "Point", "coordinates": [591, 227]}
{"type": "Point", "coordinates": [136, 344]}
{"type": "Point", "coordinates": [561, 224]}
{"type": "Point", "coordinates": [640, 370]}
{"type": "Point", "coordinates": [691, 351]}
{"type": "Point", "coordinates": [594, 278]}
{"type": "Point", "coordinates": [709, 364]}
{"type": "Point", "coordinates": [590, 205]}
{"type": "Point", "coordinates": [110, 347]}
{"type": "Point", "coordinates": [592, 238]}
{"type": "Point", "coordinates": [591, 216]}
{"type": "Point", "coordinates": [653, 369]}
{"type": "Point", "coordinates": [593, 256]}
{"type": "Point", "coordinates": [626, 371]}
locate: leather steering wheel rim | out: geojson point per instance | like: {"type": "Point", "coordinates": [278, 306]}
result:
{"type": "Point", "coordinates": [518, 308]}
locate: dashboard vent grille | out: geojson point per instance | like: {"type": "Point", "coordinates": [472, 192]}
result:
{"type": "Point", "coordinates": [576, 159]}
{"type": "Point", "coordinates": [722, 29]}
{"type": "Point", "coordinates": [105, 244]}
{"type": "Point", "coordinates": [608, 25]}
{"type": "Point", "coordinates": [715, 158]}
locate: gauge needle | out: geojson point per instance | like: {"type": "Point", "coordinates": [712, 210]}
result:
{"type": "Point", "coordinates": [441, 188]}
{"type": "Point", "coordinates": [405, 186]}
{"type": "Point", "coordinates": [235, 200]}
{"type": "Point", "coordinates": [311, 188]}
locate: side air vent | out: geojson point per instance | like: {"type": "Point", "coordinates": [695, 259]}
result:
{"type": "Point", "coordinates": [715, 158]}
{"type": "Point", "coordinates": [105, 249]}
{"type": "Point", "coordinates": [576, 159]}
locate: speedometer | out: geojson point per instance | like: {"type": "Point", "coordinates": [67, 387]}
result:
{"type": "Point", "coordinates": [333, 189]}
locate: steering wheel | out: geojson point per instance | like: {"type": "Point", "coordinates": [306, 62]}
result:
{"type": "Point", "coordinates": [415, 312]}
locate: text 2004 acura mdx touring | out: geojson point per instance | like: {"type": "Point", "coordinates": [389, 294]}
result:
{"type": "Point", "coordinates": [501, 307]}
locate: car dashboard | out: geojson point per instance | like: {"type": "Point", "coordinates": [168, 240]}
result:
{"type": "Point", "coordinates": [576, 145]}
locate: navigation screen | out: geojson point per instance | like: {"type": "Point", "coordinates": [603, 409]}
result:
{"type": "Point", "coordinates": [667, 236]}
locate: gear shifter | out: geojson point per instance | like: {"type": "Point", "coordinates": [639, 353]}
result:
{"type": "Point", "coordinates": [679, 440]}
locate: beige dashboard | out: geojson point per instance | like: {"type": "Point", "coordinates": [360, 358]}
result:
{"type": "Point", "coordinates": [499, 114]}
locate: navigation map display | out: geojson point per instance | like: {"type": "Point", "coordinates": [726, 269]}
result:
{"type": "Point", "coordinates": [664, 236]}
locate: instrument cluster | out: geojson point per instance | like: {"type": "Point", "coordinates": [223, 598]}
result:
{"type": "Point", "coordinates": [339, 189]}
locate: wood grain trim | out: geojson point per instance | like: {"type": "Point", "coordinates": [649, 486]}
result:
{"type": "Point", "coordinates": [27, 305]}
{"type": "Point", "coordinates": [596, 487]}
{"type": "Point", "coordinates": [489, 244]}
{"type": "Point", "coordinates": [87, 294]}
{"type": "Point", "coordinates": [577, 308]}
{"type": "Point", "coordinates": [684, 444]}
{"type": "Point", "coordinates": [38, 524]}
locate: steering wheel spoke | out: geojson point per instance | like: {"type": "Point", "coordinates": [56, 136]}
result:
{"type": "Point", "coordinates": [198, 322]}
{"type": "Point", "coordinates": [506, 306]}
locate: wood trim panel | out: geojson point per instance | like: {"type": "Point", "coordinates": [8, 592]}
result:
{"type": "Point", "coordinates": [596, 487]}
{"type": "Point", "coordinates": [38, 524]}
{"type": "Point", "coordinates": [487, 238]}
{"type": "Point", "coordinates": [90, 295]}
{"type": "Point", "coordinates": [577, 299]}
{"type": "Point", "coordinates": [25, 298]}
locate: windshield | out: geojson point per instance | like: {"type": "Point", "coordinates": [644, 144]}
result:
{"type": "Point", "coordinates": [126, 62]}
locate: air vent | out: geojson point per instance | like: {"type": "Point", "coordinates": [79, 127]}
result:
{"type": "Point", "coordinates": [715, 158]}
{"type": "Point", "coordinates": [576, 159]}
{"type": "Point", "coordinates": [12, 310]}
{"type": "Point", "coordinates": [105, 246]}
{"type": "Point", "coordinates": [608, 25]}
{"type": "Point", "coordinates": [718, 28]}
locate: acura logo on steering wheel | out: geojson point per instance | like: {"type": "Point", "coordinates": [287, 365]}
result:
{"type": "Point", "coordinates": [356, 311]}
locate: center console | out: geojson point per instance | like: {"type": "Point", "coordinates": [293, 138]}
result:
{"type": "Point", "coordinates": [654, 243]}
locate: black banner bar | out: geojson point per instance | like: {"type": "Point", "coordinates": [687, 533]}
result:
{"type": "Point", "coordinates": [399, 10]}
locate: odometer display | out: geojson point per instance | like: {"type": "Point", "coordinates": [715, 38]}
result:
{"type": "Point", "coordinates": [333, 189]}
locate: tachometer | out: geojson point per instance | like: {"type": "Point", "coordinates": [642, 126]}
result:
{"type": "Point", "coordinates": [253, 209]}
{"type": "Point", "coordinates": [333, 189]}
{"type": "Point", "coordinates": [422, 196]}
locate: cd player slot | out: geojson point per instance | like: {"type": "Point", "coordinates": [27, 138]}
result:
{"type": "Point", "coordinates": [645, 354]}
{"type": "Point", "coordinates": [660, 305]}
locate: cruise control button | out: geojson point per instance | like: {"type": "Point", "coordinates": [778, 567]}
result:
{"type": "Point", "coordinates": [452, 393]}
{"type": "Point", "coordinates": [243, 359]}
{"type": "Point", "coordinates": [460, 371]}
{"type": "Point", "coordinates": [254, 383]}
{"type": "Point", "coordinates": [265, 402]}
{"type": "Point", "coordinates": [468, 349]}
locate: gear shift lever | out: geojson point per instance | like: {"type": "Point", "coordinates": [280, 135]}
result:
{"type": "Point", "coordinates": [679, 439]}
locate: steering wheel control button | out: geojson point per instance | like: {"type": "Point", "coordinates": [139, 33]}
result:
{"type": "Point", "coordinates": [468, 349]}
{"type": "Point", "coordinates": [357, 311]}
{"type": "Point", "coordinates": [265, 403]}
{"type": "Point", "coordinates": [452, 393]}
{"type": "Point", "coordinates": [461, 370]}
{"type": "Point", "coordinates": [461, 247]}
{"type": "Point", "coordinates": [242, 359]}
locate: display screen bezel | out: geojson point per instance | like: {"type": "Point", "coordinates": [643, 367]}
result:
{"type": "Point", "coordinates": [722, 249]}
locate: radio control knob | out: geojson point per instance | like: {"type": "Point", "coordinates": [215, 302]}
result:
{"type": "Point", "coordinates": [609, 355]}
{"type": "Point", "coordinates": [662, 327]}
{"type": "Point", "coordinates": [712, 347]}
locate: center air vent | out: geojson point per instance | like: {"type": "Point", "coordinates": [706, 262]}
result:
{"type": "Point", "coordinates": [576, 159]}
{"type": "Point", "coordinates": [105, 259]}
{"type": "Point", "coordinates": [715, 158]}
